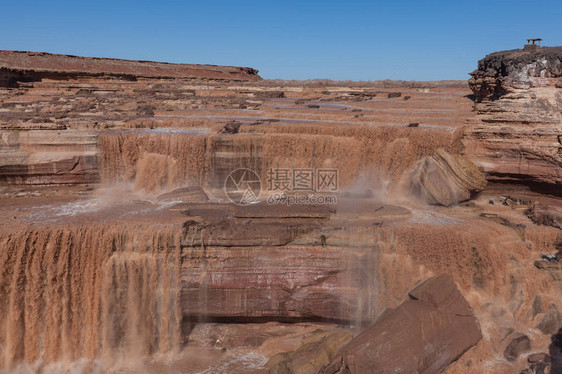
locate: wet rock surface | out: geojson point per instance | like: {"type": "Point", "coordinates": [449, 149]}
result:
{"type": "Point", "coordinates": [137, 250]}
{"type": "Point", "coordinates": [445, 179]}
{"type": "Point", "coordinates": [434, 327]}
{"type": "Point", "coordinates": [539, 363]}
{"type": "Point", "coordinates": [317, 351]}
{"type": "Point", "coordinates": [550, 321]}
{"type": "Point", "coordinates": [263, 262]}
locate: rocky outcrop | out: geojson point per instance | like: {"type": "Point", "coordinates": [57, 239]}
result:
{"type": "Point", "coordinates": [42, 157]}
{"type": "Point", "coordinates": [445, 179]}
{"type": "Point", "coordinates": [239, 263]}
{"type": "Point", "coordinates": [545, 215]}
{"type": "Point", "coordinates": [275, 262]}
{"type": "Point", "coordinates": [518, 98]}
{"type": "Point", "coordinates": [232, 127]}
{"type": "Point", "coordinates": [427, 332]}
{"type": "Point", "coordinates": [34, 66]}
{"type": "Point", "coordinates": [501, 72]}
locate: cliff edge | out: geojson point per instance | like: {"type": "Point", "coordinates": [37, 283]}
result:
{"type": "Point", "coordinates": [518, 98]}
{"type": "Point", "coordinates": [19, 66]}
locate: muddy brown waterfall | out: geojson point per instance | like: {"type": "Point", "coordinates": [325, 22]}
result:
{"type": "Point", "coordinates": [157, 162]}
{"type": "Point", "coordinates": [86, 291]}
{"type": "Point", "coordinates": [120, 250]}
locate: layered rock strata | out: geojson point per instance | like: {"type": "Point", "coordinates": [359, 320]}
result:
{"type": "Point", "coordinates": [51, 157]}
{"type": "Point", "coordinates": [445, 179]}
{"type": "Point", "coordinates": [20, 66]}
{"type": "Point", "coordinates": [518, 97]}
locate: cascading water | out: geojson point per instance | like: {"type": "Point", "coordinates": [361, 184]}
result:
{"type": "Point", "coordinates": [87, 291]}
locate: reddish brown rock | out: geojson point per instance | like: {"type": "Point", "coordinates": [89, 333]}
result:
{"type": "Point", "coordinates": [48, 157]}
{"type": "Point", "coordinates": [34, 66]}
{"type": "Point", "coordinates": [263, 262]}
{"type": "Point", "coordinates": [317, 351]}
{"type": "Point", "coordinates": [427, 332]}
{"type": "Point", "coordinates": [518, 344]}
{"type": "Point", "coordinates": [519, 102]}
{"type": "Point", "coordinates": [445, 179]}
{"type": "Point", "coordinates": [551, 321]}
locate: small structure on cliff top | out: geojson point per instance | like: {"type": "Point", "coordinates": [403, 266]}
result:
{"type": "Point", "coordinates": [531, 44]}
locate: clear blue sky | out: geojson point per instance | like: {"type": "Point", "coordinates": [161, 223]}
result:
{"type": "Point", "coordinates": [356, 40]}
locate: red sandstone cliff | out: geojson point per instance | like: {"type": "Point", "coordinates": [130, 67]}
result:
{"type": "Point", "coordinates": [33, 66]}
{"type": "Point", "coordinates": [518, 97]}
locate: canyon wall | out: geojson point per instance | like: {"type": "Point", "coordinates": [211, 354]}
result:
{"type": "Point", "coordinates": [48, 157]}
{"type": "Point", "coordinates": [118, 271]}
{"type": "Point", "coordinates": [34, 66]}
{"type": "Point", "coordinates": [67, 128]}
{"type": "Point", "coordinates": [353, 272]}
{"type": "Point", "coordinates": [518, 97]}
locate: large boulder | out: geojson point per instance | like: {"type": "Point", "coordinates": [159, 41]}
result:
{"type": "Point", "coordinates": [427, 332]}
{"type": "Point", "coordinates": [445, 179]}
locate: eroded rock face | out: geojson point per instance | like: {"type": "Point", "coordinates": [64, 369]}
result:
{"type": "Point", "coordinates": [519, 100]}
{"type": "Point", "coordinates": [276, 262]}
{"type": "Point", "coordinates": [499, 72]}
{"type": "Point", "coordinates": [33, 66]}
{"type": "Point", "coordinates": [45, 157]}
{"type": "Point", "coordinates": [445, 179]}
{"type": "Point", "coordinates": [427, 332]}
{"type": "Point", "coordinates": [244, 266]}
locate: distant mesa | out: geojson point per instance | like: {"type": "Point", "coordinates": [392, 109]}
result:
{"type": "Point", "coordinates": [18, 66]}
